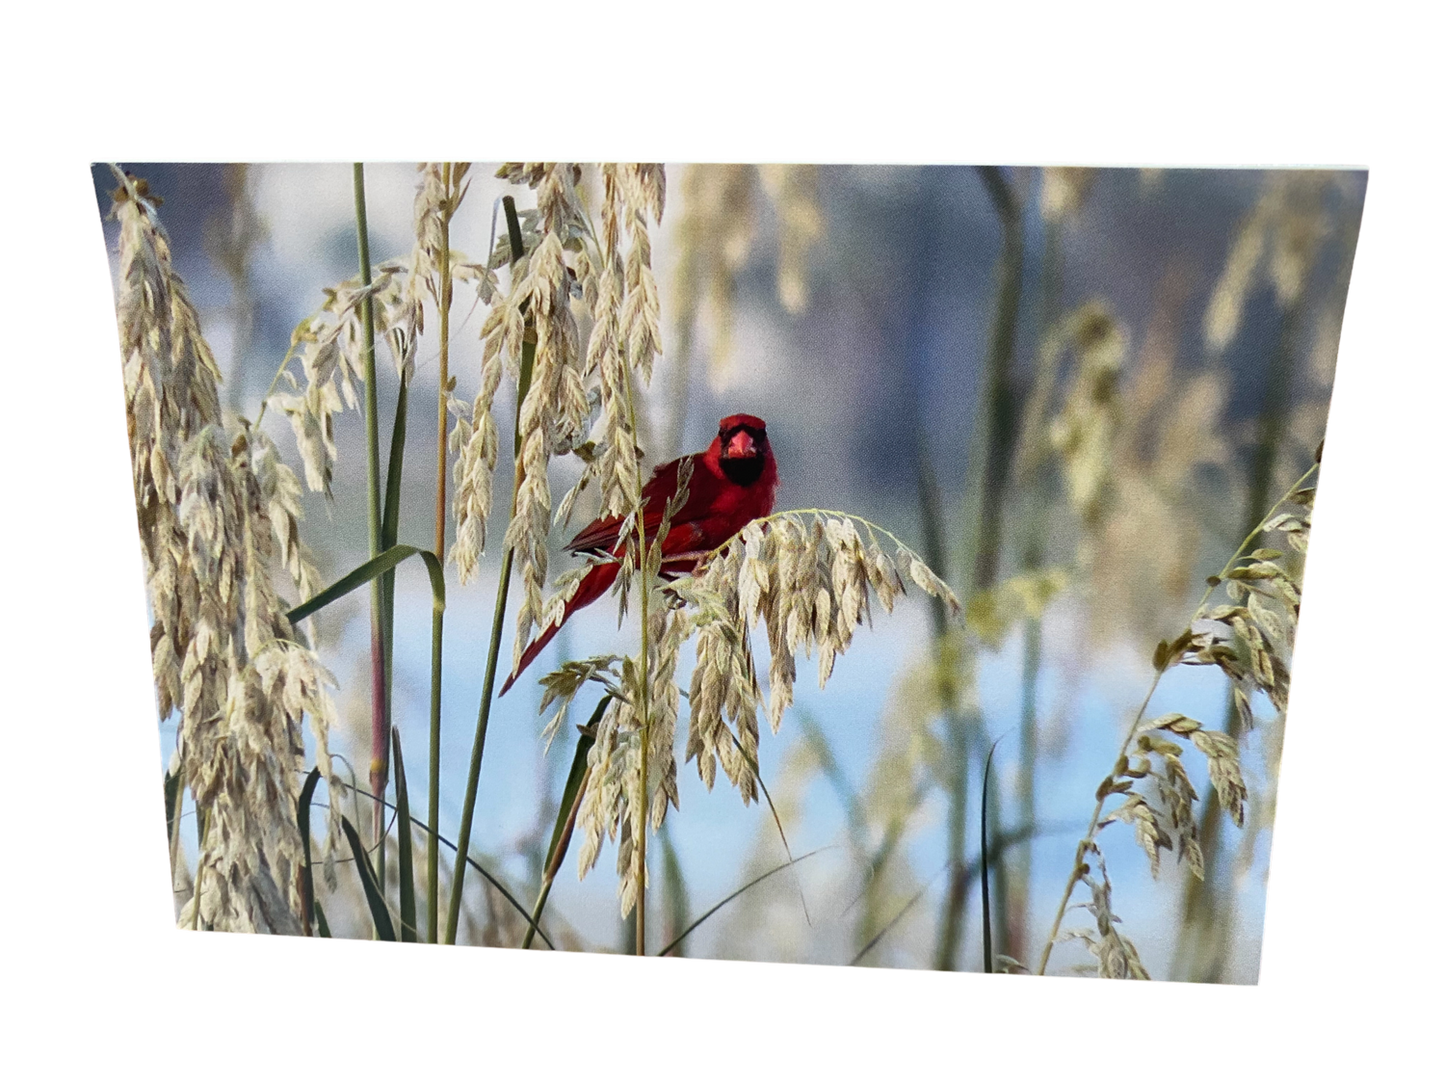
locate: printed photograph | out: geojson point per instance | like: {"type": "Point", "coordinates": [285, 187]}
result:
{"type": "Point", "coordinates": [877, 566]}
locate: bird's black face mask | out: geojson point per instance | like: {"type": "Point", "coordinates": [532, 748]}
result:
{"type": "Point", "coordinates": [743, 455]}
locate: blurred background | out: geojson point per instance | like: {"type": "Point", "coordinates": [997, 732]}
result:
{"type": "Point", "coordinates": [1073, 391]}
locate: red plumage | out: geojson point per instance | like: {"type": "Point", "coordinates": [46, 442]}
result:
{"type": "Point", "coordinates": [732, 484]}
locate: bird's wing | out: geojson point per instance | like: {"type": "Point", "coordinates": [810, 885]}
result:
{"type": "Point", "coordinates": [597, 537]}
{"type": "Point", "coordinates": [601, 534]}
{"type": "Point", "coordinates": [685, 538]}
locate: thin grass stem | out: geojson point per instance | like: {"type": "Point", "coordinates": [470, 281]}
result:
{"type": "Point", "coordinates": [499, 612]}
{"type": "Point", "coordinates": [380, 715]}
{"type": "Point", "coordinates": [443, 391]}
{"type": "Point", "coordinates": [715, 908]}
{"type": "Point", "coordinates": [445, 842]}
{"type": "Point", "coordinates": [644, 591]}
{"type": "Point", "coordinates": [1078, 871]}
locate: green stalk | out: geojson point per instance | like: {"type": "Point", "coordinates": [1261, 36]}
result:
{"type": "Point", "coordinates": [989, 451]}
{"type": "Point", "coordinates": [433, 807]}
{"type": "Point", "coordinates": [374, 571]}
{"type": "Point", "coordinates": [434, 763]}
{"type": "Point", "coordinates": [380, 709]}
{"type": "Point", "coordinates": [945, 659]}
{"type": "Point", "coordinates": [955, 725]}
{"type": "Point", "coordinates": [1027, 479]}
{"type": "Point", "coordinates": [489, 680]}
{"type": "Point", "coordinates": [997, 400]}
{"type": "Point", "coordinates": [1017, 922]}
{"type": "Point", "coordinates": [499, 612]}
{"type": "Point", "coordinates": [1003, 434]}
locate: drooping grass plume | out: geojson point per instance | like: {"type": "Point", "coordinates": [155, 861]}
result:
{"type": "Point", "coordinates": [1246, 639]}
{"type": "Point", "coordinates": [809, 576]}
{"type": "Point", "coordinates": [215, 507]}
{"type": "Point", "coordinates": [1280, 241]}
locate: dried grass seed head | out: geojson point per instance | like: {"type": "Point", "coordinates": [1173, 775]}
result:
{"type": "Point", "coordinates": [215, 507]}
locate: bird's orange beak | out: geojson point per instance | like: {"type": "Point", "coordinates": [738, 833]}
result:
{"type": "Point", "coordinates": [741, 446]}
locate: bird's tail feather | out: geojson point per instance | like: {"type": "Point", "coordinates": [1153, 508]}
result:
{"type": "Point", "coordinates": [593, 586]}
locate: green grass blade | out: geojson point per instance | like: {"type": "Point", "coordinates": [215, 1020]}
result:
{"type": "Point", "coordinates": [380, 917]}
{"type": "Point", "coordinates": [391, 504]}
{"type": "Point", "coordinates": [357, 577]}
{"type": "Point", "coordinates": [470, 861]}
{"type": "Point", "coordinates": [378, 566]}
{"type": "Point", "coordinates": [437, 577]}
{"type": "Point", "coordinates": [574, 778]}
{"type": "Point", "coordinates": [322, 928]}
{"type": "Point", "coordinates": [172, 790]}
{"type": "Point", "coordinates": [674, 885]}
{"type": "Point", "coordinates": [970, 871]}
{"type": "Point", "coordinates": [175, 793]}
{"type": "Point", "coordinates": [984, 862]}
{"type": "Point", "coordinates": [303, 824]}
{"type": "Point", "coordinates": [406, 886]}
{"type": "Point", "coordinates": [391, 508]}
{"type": "Point", "coordinates": [566, 818]}
{"type": "Point", "coordinates": [514, 227]}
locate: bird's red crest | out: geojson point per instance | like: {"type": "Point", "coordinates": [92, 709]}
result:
{"type": "Point", "coordinates": [748, 421]}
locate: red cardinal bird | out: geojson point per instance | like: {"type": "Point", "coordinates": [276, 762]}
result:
{"type": "Point", "coordinates": [732, 484]}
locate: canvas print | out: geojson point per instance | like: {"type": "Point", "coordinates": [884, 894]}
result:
{"type": "Point", "coordinates": [866, 565]}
